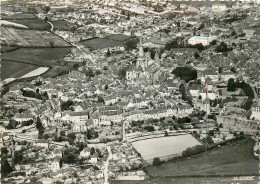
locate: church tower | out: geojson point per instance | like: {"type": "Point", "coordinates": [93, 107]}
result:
{"type": "Point", "coordinates": [156, 56]}
{"type": "Point", "coordinates": [141, 50]}
{"type": "Point", "coordinates": [141, 61]}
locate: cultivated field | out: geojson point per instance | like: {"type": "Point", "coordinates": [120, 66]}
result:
{"type": "Point", "coordinates": [30, 38]}
{"type": "Point", "coordinates": [18, 16]}
{"type": "Point", "coordinates": [164, 146]}
{"type": "Point", "coordinates": [37, 56]}
{"type": "Point", "coordinates": [35, 24]}
{"type": "Point", "coordinates": [15, 69]}
{"type": "Point", "coordinates": [100, 43]}
{"type": "Point", "coordinates": [229, 160]}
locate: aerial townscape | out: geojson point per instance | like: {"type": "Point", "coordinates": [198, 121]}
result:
{"type": "Point", "coordinates": [130, 91]}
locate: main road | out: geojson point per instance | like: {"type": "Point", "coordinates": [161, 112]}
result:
{"type": "Point", "coordinates": [106, 165]}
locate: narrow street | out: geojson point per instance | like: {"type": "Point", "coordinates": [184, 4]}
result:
{"type": "Point", "coordinates": [106, 165]}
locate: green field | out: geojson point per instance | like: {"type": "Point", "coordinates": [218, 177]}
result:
{"type": "Point", "coordinates": [118, 37]}
{"type": "Point", "coordinates": [100, 43]}
{"type": "Point", "coordinates": [36, 24]}
{"type": "Point", "coordinates": [63, 25]}
{"type": "Point", "coordinates": [190, 180]}
{"type": "Point", "coordinates": [37, 56]}
{"type": "Point", "coordinates": [229, 160]}
{"type": "Point", "coordinates": [15, 69]}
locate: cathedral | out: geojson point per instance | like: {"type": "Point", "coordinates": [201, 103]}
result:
{"type": "Point", "coordinates": [145, 66]}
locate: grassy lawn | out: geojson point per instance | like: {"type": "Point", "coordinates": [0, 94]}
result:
{"type": "Point", "coordinates": [15, 69]}
{"type": "Point", "coordinates": [233, 159]}
{"type": "Point", "coordinates": [37, 56]}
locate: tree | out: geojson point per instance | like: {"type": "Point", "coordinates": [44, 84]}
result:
{"type": "Point", "coordinates": [131, 44]}
{"type": "Point", "coordinates": [232, 69]}
{"type": "Point", "coordinates": [223, 47]}
{"type": "Point", "coordinates": [69, 157]}
{"type": "Point", "coordinates": [18, 156]}
{"type": "Point", "coordinates": [75, 66]}
{"type": "Point", "coordinates": [99, 153]}
{"type": "Point", "coordinates": [247, 105]}
{"type": "Point", "coordinates": [211, 132]}
{"type": "Point", "coordinates": [62, 133]}
{"type": "Point", "coordinates": [66, 105]}
{"type": "Point", "coordinates": [100, 99]}
{"type": "Point", "coordinates": [214, 42]}
{"type": "Point", "coordinates": [122, 73]}
{"type": "Point", "coordinates": [165, 133]}
{"type": "Point", "coordinates": [185, 73]}
{"type": "Point", "coordinates": [92, 151]}
{"type": "Point", "coordinates": [196, 55]}
{"type": "Point", "coordinates": [89, 135]}
{"type": "Point", "coordinates": [5, 168]}
{"type": "Point", "coordinates": [51, 43]}
{"type": "Point", "coordinates": [39, 126]}
{"type": "Point", "coordinates": [72, 136]}
{"type": "Point", "coordinates": [220, 70]}
{"type": "Point", "coordinates": [46, 19]}
{"type": "Point", "coordinates": [149, 128]}
{"type": "Point", "coordinates": [12, 124]}
{"type": "Point", "coordinates": [108, 54]}
{"type": "Point", "coordinates": [4, 150]}
{"type": "Point", "coordinates": [156, 161]}
{"type": "Point", "coordinates": [231, 85]}
{"type": "Point", "coordinates": [89, 73]}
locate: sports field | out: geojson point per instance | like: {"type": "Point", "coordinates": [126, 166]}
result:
{"type": "Point", "coordinates": [164, 146]}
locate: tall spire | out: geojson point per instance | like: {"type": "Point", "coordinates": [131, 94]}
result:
{"type": "Point", "coordinates": [141, 50]}
{"type": "Point", "coordinates": [156, 56]}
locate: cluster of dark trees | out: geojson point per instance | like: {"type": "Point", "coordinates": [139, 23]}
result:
{"type": "Point", "coordinates": [32, 94]}
{"type": "Point", "coordinates": [236, 18]}
{"type": "Point", "coordinates": [66, 105]}
{"type": "Point", "coordinates": [179, 43]}
{"type": "Point", "coordinates": [6, 168]}
{"type": "Point", "coordinates": [185, 73]}
{"type": "Point", "coordinates": [156, 161]}
{"type": "Point", "coordinates": [27, 123]}
{"type": "Point", "coordinates": [223, 47]}
{"type": "Point", "coordinates": [194, 150]}
{"type": "Point", "coordinates": [149, 128]}
{"type": "Point", "coordinates": [122, 73]}
{"type": "Point", "coordinates": [131, 44]}
{"type": "Point", "coordinates": [12, 124]}
{"type": "Point", "coordinates": [247, 89]}
{"type": "Point", "coordinates": [184, 95]}
{"type": "Point", "coordinates": [39, 127]}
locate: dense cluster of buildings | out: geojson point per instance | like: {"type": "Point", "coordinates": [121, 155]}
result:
{"type": "Point", "coordinates": [77, 126]}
